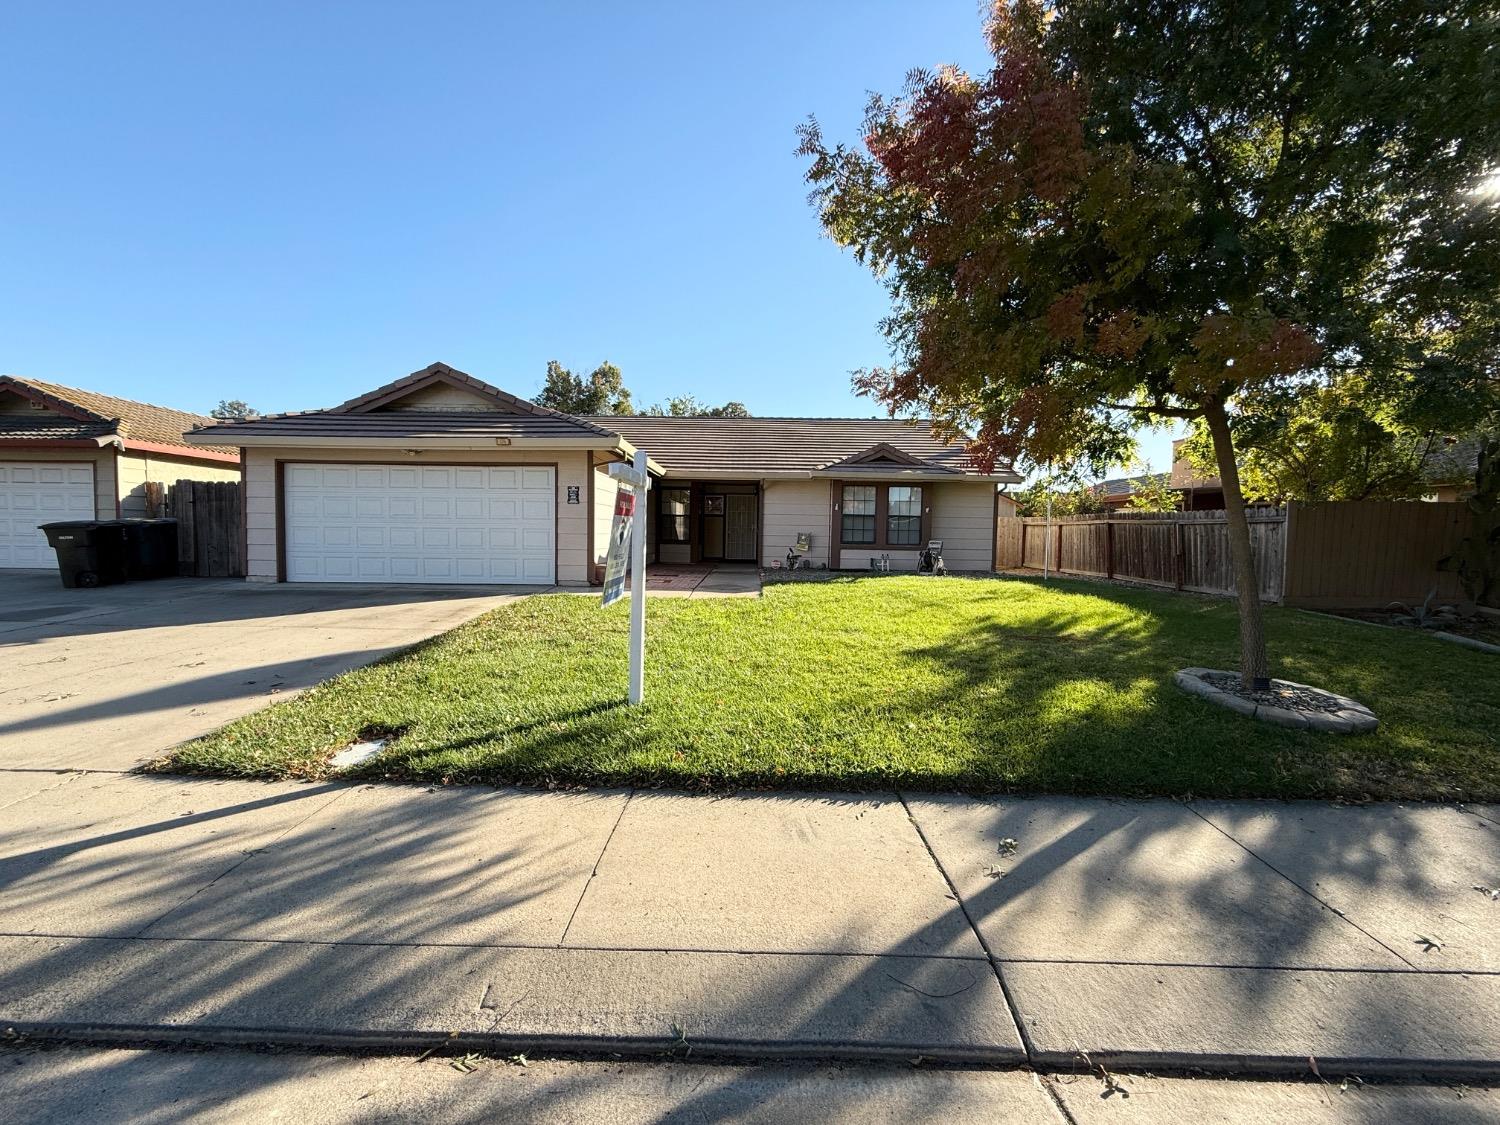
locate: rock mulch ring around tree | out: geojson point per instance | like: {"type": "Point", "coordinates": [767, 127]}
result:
{"type": "Point", "coordinates": [1287, 704]}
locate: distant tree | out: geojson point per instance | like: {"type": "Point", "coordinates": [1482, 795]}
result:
{"type": "Point", "coordinates": [603, 392]}
{"type": "Point", "coordinates": [233, 410]}
{"type": "Point", "coordinates": [1147, 211]}
{"type": "Point", "coordinates": [1153, 492]}
{"type": "Point", "coordinates": [1069, 498]}
{"type": "Point", "coordinates": [688, 406]}
{"type": "Point", "coordinates": [1334, 442]}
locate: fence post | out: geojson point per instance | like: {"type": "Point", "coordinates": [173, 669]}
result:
{"type": "Point", "coordinates": [1109, 547]}
{"type": "Point", "coordinates": [1181, 555]}
{"type": "Point", "coordinates": [1023, 542]}
{"type": "Point", "coordinates": [1057, 564]}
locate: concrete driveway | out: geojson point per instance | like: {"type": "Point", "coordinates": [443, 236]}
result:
{"type": "Point", "coordinates": [105, 679]}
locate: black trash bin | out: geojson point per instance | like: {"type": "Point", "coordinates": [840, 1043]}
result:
{"type": "Point", "coordinates": [150, 548]}
{"type": "Point", "coordinates": [89, 552]}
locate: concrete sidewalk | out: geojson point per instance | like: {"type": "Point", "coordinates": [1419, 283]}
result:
{"type": "Point", "coordinates": [1223, 936]}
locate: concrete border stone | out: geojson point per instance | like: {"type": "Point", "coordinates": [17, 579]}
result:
{"type": "Point", "coordinates": [1352, 717]}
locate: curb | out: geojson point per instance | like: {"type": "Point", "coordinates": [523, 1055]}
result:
{"type": "Point", "coordinates": [395, 1042]}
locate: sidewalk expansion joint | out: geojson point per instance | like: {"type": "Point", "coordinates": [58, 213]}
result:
{"type": "Point", "coordinates": [1324, 903]}
{"type": "Point", "coordinates": [589, 882]}
{"type": "Point", "coordinates": [1010, 1002]}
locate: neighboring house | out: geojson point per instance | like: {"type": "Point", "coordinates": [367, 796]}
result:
{"type": "Point", "coordinates": [439, 477]}
{"type": "Point", "coordinates": [1199, 493]}
{"type": "Point", "coordinates": [1118, 491]}
{"type": "Point", "coordinates": [1451, 467]}
{"type": "Point", "coordinates": [71, 454]}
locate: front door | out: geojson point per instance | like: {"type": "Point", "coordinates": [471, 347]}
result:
{"type": "Point", "coordinates": [740, 532]}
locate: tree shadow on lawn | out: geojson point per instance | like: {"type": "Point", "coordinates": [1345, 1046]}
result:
{"type": "Point", "coordinates": [1103, 715]}
{"type": "Point", "coordinates": [978, 686]}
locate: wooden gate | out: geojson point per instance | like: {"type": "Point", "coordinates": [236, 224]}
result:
{"type": "Point", "coordinates": [210, 543]}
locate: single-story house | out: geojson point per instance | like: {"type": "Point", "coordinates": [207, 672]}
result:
{"type": "Point", "coordinates": [71, 454]}
{"type": "Point", "coordinates": [1119, 492]}
{"type": "Point", "coordinates": [1200, 492]}
{"type": "Point", "coordinates": [439, 477]}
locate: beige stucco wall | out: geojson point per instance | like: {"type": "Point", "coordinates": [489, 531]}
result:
{"type": "Point", "coordinates": [963, 517]}
{"type": "Point", "coordinates": [790, 507]}
{"type": "Point", "coordinates": [133, 470]}
{"type": "Point", "coordinates": [103, 460]}
{"type": "Point", "coordinates": [605, 489]}
{"type": "Point", "coordinates": [260, 497]}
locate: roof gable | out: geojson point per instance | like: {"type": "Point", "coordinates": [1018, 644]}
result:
{"type": "Point", "coordinates": [881, 453]}
{"type": "Point", "coordinates": [52, 397]}
{"type": "Point", "coordinates": [421, 385]}
{"type": "Point", "coordinates": [135, 423]}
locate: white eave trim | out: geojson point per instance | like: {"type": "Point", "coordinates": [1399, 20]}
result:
{"type": "Point", "coordinates": [612, 445]}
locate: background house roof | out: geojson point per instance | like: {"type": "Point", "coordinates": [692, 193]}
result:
{"type": "Point", "coordinates": [1127, 486]}
{"type": "Point", "coordinates": [754, 446]}
{"type": "Point", "coordinates": [54, 429]}
{"type": "Point", "coordinates": [137, 421]}
{"type": "Point", "coordinates": [1452, 461]}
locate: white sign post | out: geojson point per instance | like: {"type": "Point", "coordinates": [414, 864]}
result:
{"type": "Point", "coordinates": [627, 551]}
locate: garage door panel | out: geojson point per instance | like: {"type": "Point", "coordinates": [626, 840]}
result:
{"type": "Point", "coordinates": [374, 523]}
{"type": "Point", "coordinates": [34, 493]}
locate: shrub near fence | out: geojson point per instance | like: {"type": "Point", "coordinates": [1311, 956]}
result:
{"type": "Point", "coordinates": [1345, 554]}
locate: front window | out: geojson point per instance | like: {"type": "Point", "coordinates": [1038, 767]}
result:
{"type": "Point", "coordinates": [858, 514]}
{"type": "Point", "coordinates": [672, 515]}
{"type": "Point", "coordinates": [903, 516]}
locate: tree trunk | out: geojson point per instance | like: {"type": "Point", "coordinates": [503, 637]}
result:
{"type": "Point", "coordinates": [1254, 669]}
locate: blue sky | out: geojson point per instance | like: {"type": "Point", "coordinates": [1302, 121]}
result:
{"type": "Point", "coordinates": [293, 203]}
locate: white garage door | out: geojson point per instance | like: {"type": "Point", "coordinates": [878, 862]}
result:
{"type": "Point", "coordinates": [33, 492]}
{"type": "Point", "coordinates": [427, 523]}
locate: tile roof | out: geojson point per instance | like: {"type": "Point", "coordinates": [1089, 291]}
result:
{"type": "Point", "coordinates": [1452, 461]}
{"type": "Point", "coordinates": [1126, 486]}
{"type": "Point", "coordinates": [413, 424]}
{"type": "Point", "coordinates": [53, 429]}
{"type": "Point", "coordinates": [680, 445]}
{"type": "Point", "coordinates": [138, 421]}
{"type": "Point", "coordinates": [757, 445]}
{"type": "Point", "coordinates": [361, 416]}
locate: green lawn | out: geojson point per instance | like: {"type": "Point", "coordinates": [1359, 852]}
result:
{"type": "Point", "coordinates": [961, 684]}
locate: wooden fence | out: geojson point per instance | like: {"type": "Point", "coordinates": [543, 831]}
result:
{"type": "Point", "coordinates": [1177, 550]}
{"type": "Point", "coordinates": [1346, 554]}
{"type": "Point", "coordinates": [210, 543]}
{"type": "Point", "coordinates": [1369, 553]}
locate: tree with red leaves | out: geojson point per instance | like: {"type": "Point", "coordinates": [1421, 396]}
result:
{"type": "Point", "coordinates": [1148, 211]}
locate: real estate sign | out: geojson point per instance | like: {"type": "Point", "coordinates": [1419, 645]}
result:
{"type": "Point", "coordinates": [617, 560]}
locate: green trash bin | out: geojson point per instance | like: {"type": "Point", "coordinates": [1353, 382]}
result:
{"type": "Point", "coordinates": [89, 552]}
